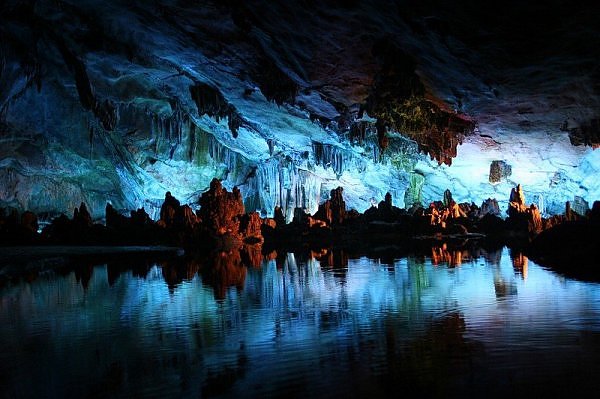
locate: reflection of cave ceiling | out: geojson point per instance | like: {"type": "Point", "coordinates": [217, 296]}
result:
{"type": "Point", "coordinates": [122, 100]}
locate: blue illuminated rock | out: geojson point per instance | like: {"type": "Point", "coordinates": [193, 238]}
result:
{"type": "Point", "coordinates": [121, 104]}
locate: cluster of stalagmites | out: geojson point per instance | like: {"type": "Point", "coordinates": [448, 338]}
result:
{"type": "Point", "coordinates": [222, 222]}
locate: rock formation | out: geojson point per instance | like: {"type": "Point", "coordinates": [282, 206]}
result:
{"type": "Point", "coordinates": [570, 246]}
{"type": "Point", "coordinates": [219, 209]}
{"type": "Point", "coordinates": [385, 211]}
{"type": "Point", "coordinates": [79, 230]}
{"type": "Point", "coordinates": [250, 227]}
{"type": "Point", "coordinates": [333, 211]}
{"type": "Point", "coordinates": [168, 210]}
{"type": "Point", "coordinates": [18, 229]}
{"type": "Point", "coordinates": [223, 216]}
{"type": "Point", "coordinates": [522, 217]}
{"type": "Point", "coordinates": [499, 171]}
{"type": "Point", "coordinates": [489, 207]}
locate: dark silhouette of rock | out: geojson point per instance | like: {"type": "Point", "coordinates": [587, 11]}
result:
{"type": "Point", "coordinates": [300, 217]}
{"type": "Point", "coordinates": [58, 231]}
{"type": "Point", "coordinates": [384, 211]}
{"type": "Point", "coordinates": [137, 229]}
{"type": "Point", "coordinates": [595, 212]}
{"type": "Point", "coordinates": [279, 217]}
{"type": "Point", "coordinates": [489, 207]}
{"type": "Point", "coordinates": [18, 229]}
{"type": "Point", "coordinates": [29, 221]}
{"type": "Point", "coordinates": [77, 231]}
{"type": "Point", "coordinates": [140, 218]}
{"type": "Point", "coordinates": [168, 210]}
{"type": "Point", "coordinates": [82, 217]}
{"type": "Point", "coordinates": [114, 219]}
{"type": "Point", "coordinates": [570, 247]}
{"type": "Point", "coordinates": [491, 225]}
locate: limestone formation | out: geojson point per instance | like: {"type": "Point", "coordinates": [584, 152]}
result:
{"type": "Point", "coordinates": [516, 201]}
{"type": "Point", "coordinates": [384, 211]}
{"type": "Point", "coordinates": [168, 210]}
{"type": "Point", "coordinates": [413, 193]}
{"type": "Point", "coordinates": [219, 209]}
{"type": "Point", "coordinates": [580, 206]}
{"type": "Point", "coordinates": [250, 227]}
{"type": "Point", "coordinates": [448, 198]}
{"type": "Point", "coordinates": [499, 171]}
{"type": "Point", "coordinates": [222, 217]}
{"type": "Point", "coordinates": [522, 217]}
{"type": "Point", "coordinates": [333, 211]}
{"type": "Point", "coordinates": [489, 207]}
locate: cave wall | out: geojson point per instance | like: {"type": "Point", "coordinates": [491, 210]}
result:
{"type": "Point", "coordinates": [59, 155]}
{"type": "Point", "coordinates": [122, 101]}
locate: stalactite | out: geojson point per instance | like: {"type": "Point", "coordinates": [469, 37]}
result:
{"type": "Point", "coordinates": [91, 139]}
{"type": "Point", "coordinates": [192, 143]}
{"type": "Point", "coordinates": [278, 182]}
{"type": "Point", "coordinates": [223, 155]}
{"type": "Point", "coordinates": [359, 131]}
{"type": "Point", "coordinates": [328, 156]}
{"type": "Point", "coordinates": [271, 145]}
{"type": "Point", "coordinates": [210, 101]}
{"type": "Point", "coordinates": [337, 158]}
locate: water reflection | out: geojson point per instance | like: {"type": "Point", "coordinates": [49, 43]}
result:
{"type": "Point", "coordinates": [327, 323]}
{"type": "Point", "coordinates": [519, 262]}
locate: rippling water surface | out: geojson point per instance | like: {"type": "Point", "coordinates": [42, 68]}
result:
{"type": "Point", "coordinates": [487, 325]}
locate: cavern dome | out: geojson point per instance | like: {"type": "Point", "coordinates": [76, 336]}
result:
{"type": "Point", "coordinates": [121, 101]}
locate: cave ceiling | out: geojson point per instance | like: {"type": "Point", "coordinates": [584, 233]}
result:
{"type": "Point", "coordinates": [289, 77]}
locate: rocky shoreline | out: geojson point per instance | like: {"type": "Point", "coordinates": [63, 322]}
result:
{"type": "Point", "coordinates": [222, 224]}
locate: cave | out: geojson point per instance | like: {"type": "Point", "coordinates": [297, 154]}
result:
{"type": "Point", "coordinates": [247, 196]}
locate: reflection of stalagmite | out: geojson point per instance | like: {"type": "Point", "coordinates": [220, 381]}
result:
{"type": "Point", "coordinates": [252, 256]}
{"type": "Point", "coordinates": [337, 259]}
{"type": "Point", "coordinates": [441, 254]}
{"type": "Point", "coordinates": [223, 270]}
{"type": "Point", "coordinates": [520, 264]}
{"type": "Point", "coordinates": [175, 273]}
{"type": "Point", "coordinates": [502, 287]}
{"type": "Point", "coordinates": [83, 275]}
{"type": "Point", "coordinates": [456, 258]}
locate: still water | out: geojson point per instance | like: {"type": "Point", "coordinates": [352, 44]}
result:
{"type": "Point", "coordinates": [443, 325]}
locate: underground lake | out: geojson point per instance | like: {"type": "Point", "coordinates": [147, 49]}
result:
{"type": "Point", "coordinates": [444, 323]}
